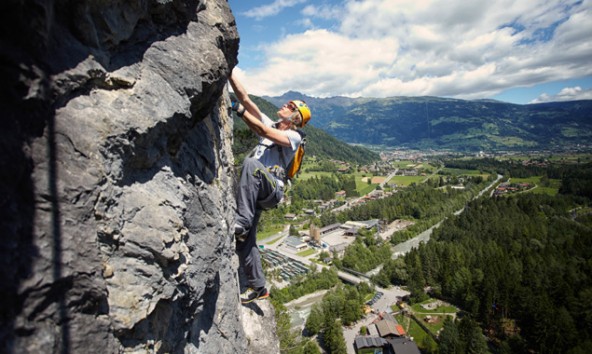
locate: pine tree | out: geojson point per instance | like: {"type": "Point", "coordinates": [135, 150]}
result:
{"type": "Point", "coordinates": [333, 337]}
{"type": "Point", "coordinates": [450, 342]}
{"type": "Point", "coordinates": [314, 321]}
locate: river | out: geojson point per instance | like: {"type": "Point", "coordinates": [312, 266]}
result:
{"type": "Point", "coordinates": [299, 309]}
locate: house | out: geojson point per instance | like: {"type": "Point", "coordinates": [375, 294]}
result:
{"type": "Point", "coordinates": [388, 328]}
{"type": "Point", "coordinates": [308, 211]}
{"type": "Point", "coordinates": [378, 193]}
{"type": "Point", "coordinates": [370, 345]}
{"type": "Point", "coordinates": [352, 231]}
{"type": "Point", "coordinates": [339, 249]}
{"type": "Point", "coordinates": [329, 228]}
{"type": "Point", "coordinates": [296, 243]}
{"type": "Point", "coordinates": [323, 207]}
{"type": "Point", "coordinates": [402, 345]}
{"type": "Point", "coordinates": [387, 316]}
{"type": "Point", "coordinates": [290, 216]}
{"type": "Point", "coordinates": [363, 224]}
{"type": "Point", "coordinates": [340, 194]}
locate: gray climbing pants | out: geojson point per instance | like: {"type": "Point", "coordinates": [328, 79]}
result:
{"type": "Point", "coordinates": [258, 190]}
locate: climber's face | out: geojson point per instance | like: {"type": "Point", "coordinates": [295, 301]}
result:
{"type": "Point", "coordinates": [286, 111]}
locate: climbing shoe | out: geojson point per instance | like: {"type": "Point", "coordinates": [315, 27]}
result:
{"type": "Point", "coordinates": [240, 233]}
{"type": "Point", "coordinates": [256, 294]}
{"type": "Point", "coordinates": [246, 292]}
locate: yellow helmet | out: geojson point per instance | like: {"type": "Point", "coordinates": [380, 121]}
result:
{"type": "Point", "coordinates": [304, 112]}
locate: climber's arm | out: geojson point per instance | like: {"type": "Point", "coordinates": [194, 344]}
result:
{"type": "Point", "coordinates": [243, 97]}
{"type": "Point", "coordinates": [264, 131]}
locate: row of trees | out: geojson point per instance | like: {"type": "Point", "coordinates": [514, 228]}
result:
{"type": "Point", "coordinates": [325, 279]}
{"type": "Point", "coordinates": [364, 254]}
{"type": "Point", "coordinates": [462, 336]}
{"type": "Point", "coordinates": [324, 187]}
{"type": "Point", "coordinates": [518, 169]}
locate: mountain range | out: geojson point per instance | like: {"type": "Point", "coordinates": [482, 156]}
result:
{"type": "Point", "coordinates": [445, 123]}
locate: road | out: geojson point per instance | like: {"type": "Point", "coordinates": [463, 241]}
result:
{"type": "Point", "coordinates": [388, 178]}
{"type": "Point", "coordinates": [404, 247]}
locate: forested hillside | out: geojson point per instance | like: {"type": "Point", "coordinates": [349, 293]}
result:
{"type": "Point", "coordinates": [520, 266]}
{"type": "Point", "coordinates": [319, 143]}
{"type": "Point", "coordinates": [460, 125]}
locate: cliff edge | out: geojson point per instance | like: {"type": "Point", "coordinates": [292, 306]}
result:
{"type": "Point", "coordinates": [117, 179]}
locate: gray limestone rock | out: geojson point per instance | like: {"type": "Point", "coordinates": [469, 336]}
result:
{"type": "Point", "coordinates": [117, 178]}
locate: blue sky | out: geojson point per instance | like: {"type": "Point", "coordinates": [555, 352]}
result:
{"type": "Point", "coordinates": [515, 51]}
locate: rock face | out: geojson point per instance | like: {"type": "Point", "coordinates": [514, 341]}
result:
{"type": "Point", "coordinates": [117, 178]}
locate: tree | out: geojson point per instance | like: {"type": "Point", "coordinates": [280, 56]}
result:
{"type": "Point", "coordinates": [311, 348]}
{"type": "Point", "coordinates": [429, 345]}
{"type": "Point", "coordinates": [333, 337]}
{"type": "Point", "coordinates": [314, 320]}
{"type": "Point", "coordinates": [285, 334]}
{"type": "Point", "coordinates": [449, 339]}
{"type": "Point", "coordinates": [472, 337]}
{"type": "Point", "coordinates": [294, 231]}
{"type": "Point", "coordinates": [351, 311]}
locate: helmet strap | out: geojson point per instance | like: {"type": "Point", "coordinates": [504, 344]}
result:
{"type": "Point", "coordinates": [296, 115]}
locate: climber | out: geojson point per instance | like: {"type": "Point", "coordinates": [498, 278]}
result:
{"type": "Point", "coordinates": [262, 179]}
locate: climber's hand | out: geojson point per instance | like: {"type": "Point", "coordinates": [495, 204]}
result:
{"type": "Point", "coordinates": [238, 108]}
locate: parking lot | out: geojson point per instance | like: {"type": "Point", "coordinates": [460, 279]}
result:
{"type": "Point", "coordinates": [376, 297]}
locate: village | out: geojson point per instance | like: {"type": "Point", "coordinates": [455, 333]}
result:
{"type": "Point", "coordinates": [389, 320]}
{"type": "Point", "coordinates": [288, 257]}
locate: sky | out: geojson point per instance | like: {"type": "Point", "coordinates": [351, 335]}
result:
{"type": "Point", "coordinates": [525, 51]}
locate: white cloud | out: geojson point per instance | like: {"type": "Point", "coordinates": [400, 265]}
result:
{"type": "Point", "coordinates": [272, 9]}
{"type": "Point", "coordinates": [326, 12]}
{"type": "Point", "coordinates": [422, 47]}
{"type": "Point", "coordinates": [320, 61]}
{"type": "Point", "coordinates": [566, 94]}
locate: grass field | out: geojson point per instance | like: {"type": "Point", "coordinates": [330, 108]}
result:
{"type": "Point", "coordinates": [407, 180]}
{"type": "Point", "coordinates": [308, 164]}
{"type": "Point", "coordinates": [417, 332]}
{"type": "Point", "coordinates": [403, 164]}
{"type": "Point", "coordinates": [273, 230]}
{"type": "Point", "coordinates": [441, 312]}
{"type": "Point", "coordinates": [306, 253]}
{"type": "Point", "coordinates": [571, 158]}
{"type": "Point", "coordinates": [552, 189]}
{"type": "Point", "coordinates": [458, 172]}
{"type": "Point", "coordinates": [412, 328]}
{"type": "Point", "coordinates": [363, 187]}
{"type": "Point", "coordinates": [448, 309]}
{"type": "Point", "coordinates": [307, 175]}
{"type": "Point", "coordinates": [273, 241]}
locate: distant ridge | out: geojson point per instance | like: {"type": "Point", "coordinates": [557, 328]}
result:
{"type": "Point", "coordinates": [455, 124]}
